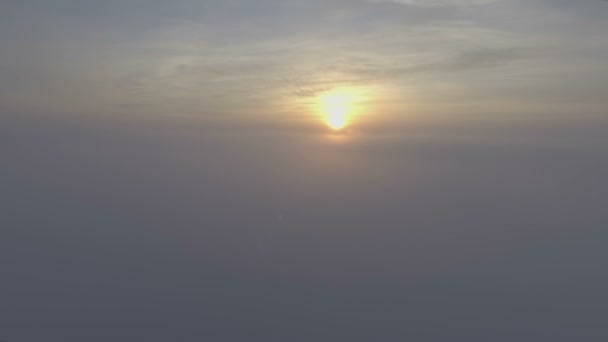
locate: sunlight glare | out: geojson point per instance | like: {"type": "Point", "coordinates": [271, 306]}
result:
{"type": "Point", "coordinates": [337, 107]}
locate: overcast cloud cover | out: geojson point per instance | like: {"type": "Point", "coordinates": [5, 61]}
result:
{"type": "Point", "coordinates": [165, 174]}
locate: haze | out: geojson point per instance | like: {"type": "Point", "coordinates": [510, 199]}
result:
{"type": "Point", "coordinates": [336, 170]}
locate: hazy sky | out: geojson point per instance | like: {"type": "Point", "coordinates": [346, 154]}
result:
{"type": "Point", "coordinates": [167, 173]}
{"type": "Point", "coordinates": [266, 56]}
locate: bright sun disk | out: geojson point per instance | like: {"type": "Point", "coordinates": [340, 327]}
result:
{"type": "Point", "coordinates": [337, 107]}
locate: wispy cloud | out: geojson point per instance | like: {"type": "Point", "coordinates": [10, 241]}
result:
{"type": "Point", "coordinates": [232, 56]}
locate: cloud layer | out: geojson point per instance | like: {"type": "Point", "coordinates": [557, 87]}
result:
{"type": "Point", "coordinates": [166, 176]}
{"type": "Point", "coordinates": [228, 57]}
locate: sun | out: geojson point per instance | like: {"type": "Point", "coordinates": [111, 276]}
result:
{"type": "Point", "coordinates": [337, 120]}
{"type": "Point", "coordinates": [337, 107]}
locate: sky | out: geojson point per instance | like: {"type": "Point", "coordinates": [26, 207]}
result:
{"type": "Point", "coordinates": [337, 170]}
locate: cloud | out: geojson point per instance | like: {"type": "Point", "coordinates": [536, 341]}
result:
{"type": "Point", "coordinates": [223, 57]}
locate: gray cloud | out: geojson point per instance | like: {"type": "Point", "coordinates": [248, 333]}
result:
{"type": "Point", "coordinates": [139, 229]}
{"type": "Point", "coordinates": [160, 58]}
{"type": "Point", "coordinates": [166, 174]}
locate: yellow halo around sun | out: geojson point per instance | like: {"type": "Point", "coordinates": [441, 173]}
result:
{"type": "Point", "coordinates": [337, 107]}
